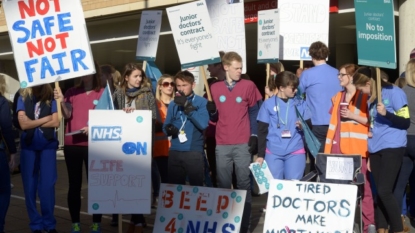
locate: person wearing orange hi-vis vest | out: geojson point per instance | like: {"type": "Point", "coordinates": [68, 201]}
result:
{"type": "Point", "coordinates": [164, 96]}
{"type": "Point", "coordinates": [348, 132]}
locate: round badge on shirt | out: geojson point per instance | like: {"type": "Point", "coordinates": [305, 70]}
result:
{"type": "Point", "coordinates": [238, 99]}
{"type": "Point", "coordinates": [95, 102]}
{"type": "Point", "coordinates": [222, 98]}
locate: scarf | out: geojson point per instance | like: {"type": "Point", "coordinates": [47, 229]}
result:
{"type": "Point", "coordinates": [143, 98]}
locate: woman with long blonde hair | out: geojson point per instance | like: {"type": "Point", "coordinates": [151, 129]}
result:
{"type": "Point", "coordinates": [7, 146]}
{"type": "Point", "coordinates": [164, 95]}
{"type": "Point", "coordinates": [38, 117]}
{"type": "Point", "coordinates": [388, 122]}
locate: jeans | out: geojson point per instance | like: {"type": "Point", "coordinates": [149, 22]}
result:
{"type": "Point", "coordinates": [385, 165]}
{"type": "Point", "coordinates": [186, 163]}
{"type": "Point", "coordinates": [5, 190]}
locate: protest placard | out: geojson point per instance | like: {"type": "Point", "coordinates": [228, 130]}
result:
{"type": "Point", "coordinates": [268, 36]}
{"type": "Point", "coordinates": [302, 23]}
{"type": "Point", "coordinates": [262, 176]}
{"type": "Point", "coordinates": [308, 207]}
{"type": "Point", "coordinates": [192, 33]}
{"type": "Point", "coordinates": [119, 162]}
{"type": "Point", "coordinates": [184, 208]}
{"type": "Point", "coordinates": [148, 35]}
{"type": "Point", "coordinates": [375, 29]}
{"type": "Point", "coordinates": [229, 27]}
{"type": "Point", "coordinates": [49, 39]}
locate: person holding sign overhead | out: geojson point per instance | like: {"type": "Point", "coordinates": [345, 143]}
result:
{"type": "Point", "coordinates": [280, 139]}
{"type": "Point", "coordinates": [388, 122]}
{"type": "Point", "coordinates": [38, 118]}
{"type": "Point", "coordinates": [135, 94]}
{"type": "Point", "coordinates": [235, 107]}
{"type": "Point", "coordinates": [186, 120]}
{"type": "Point", "coordinates": [75, 107]}
{"type": "Point", "coordinates": [348, 132]}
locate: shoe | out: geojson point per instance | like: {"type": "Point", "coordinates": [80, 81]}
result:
{"type": "Point", "coordinates": [406, 229]}
{"type": "Point", "coordinates": [52, 231]}
{"type": "Point", "coordinates": [264, 209]}
{"type": "Point", "coordinates": [76, 228]}
{"type": "Point", "coordinates": [96, 227]}
{"type": "Point", "coordinates": [155, 203]}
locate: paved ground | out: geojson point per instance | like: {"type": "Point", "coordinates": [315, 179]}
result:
{"type": "Point", "coordinates": [17, 220]}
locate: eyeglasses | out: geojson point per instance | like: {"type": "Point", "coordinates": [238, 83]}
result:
{"type": "Point", "coordinates": [341, 75]}
{"type": "Point", "coordinates": [166, 84]}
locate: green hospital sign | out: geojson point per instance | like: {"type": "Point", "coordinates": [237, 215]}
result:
{"type": "Point", "coordinates": [375, 33]}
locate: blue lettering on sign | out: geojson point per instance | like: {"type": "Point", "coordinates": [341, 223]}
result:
{"type": "Point", "coordinates": [228, 228]}
{"type": "Point", "coordinates": [304, 53]}
{"type": "Point", "coordinates": [106, 133]}
{"type": "Point", "coordinates": [194, 227]}
{"type": "Point", "coordinates": [138, 148]}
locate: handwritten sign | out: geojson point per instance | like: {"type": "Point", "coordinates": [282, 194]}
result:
{"type": "Point", "coordinates": [229, 27]}
{"type": "Point", "coordinates": [339, 168]}
{"type": "Point", "coordinates": [49, 39]}
{"type": "Point", "coordinates": [302, 23]}
{"type": "Point", "coordinates": [119, 162]}
{"type": "Point", "coordinates": [192, 32]}
{"type": "Point", "coordinates": [199, 209]}
{"type": "Point", "coordinates": [148, 35]}
{"type": "Point", "coordinates": [306, 207]}
{"type": "Point", "coordinates": [262, 176]}
{"type": "Point", "coordinates": [268, 36]}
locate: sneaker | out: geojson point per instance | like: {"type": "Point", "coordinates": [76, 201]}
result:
{"type": "Point", "coordinates": [155, 203]}
{"type": "Point", "coordinates": [52, 231]}
{"type": "Point", "coordinates": [76, 228]}
{"type": "Point", "coordinates": [96, 227]}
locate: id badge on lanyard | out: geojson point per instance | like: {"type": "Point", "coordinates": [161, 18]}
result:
{"type": "Point", "coordinates": [286, 133]}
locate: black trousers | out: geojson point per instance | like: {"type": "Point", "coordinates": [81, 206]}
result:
{"type": "Point", "coordinates": [385, 165]}
{"type": "Point", "coordinates": [75, 158]}
{"type": "Point", "coordinates": [184, 164]}
{"type": "Point", "coordinates": [211, 156]}
{"type": "Point", "coordinates": [320, 131]}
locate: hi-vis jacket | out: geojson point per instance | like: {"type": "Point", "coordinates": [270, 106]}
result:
{"type": "Point", "coordinates": [162, 143]}
{"type": "Point", "coordinates": [353, 135]}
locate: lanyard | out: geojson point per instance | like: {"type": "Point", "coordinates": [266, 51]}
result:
{"type": "Point", "coordinates": [185, 117]}
{"type": "Point", "coordinates": [278, 112]}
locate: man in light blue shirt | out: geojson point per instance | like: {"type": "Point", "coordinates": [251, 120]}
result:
{"type": "Point", "coordinates": [320, 83]}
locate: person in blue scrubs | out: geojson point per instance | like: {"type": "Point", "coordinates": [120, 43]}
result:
{"type": "Point", "coordinates": [38, 118]}
{"type": "Point", "coordinates": [388, 122]}
{"type": "Point", "coordinates": [280, 139]}
{"type": "Point", "coordinates": [7, 147]}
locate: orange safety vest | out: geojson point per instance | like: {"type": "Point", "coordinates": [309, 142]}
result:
{"type": "Point", "coordinates": [353, 135]}
{"type": "Point", "coordinates": [162, 143]}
